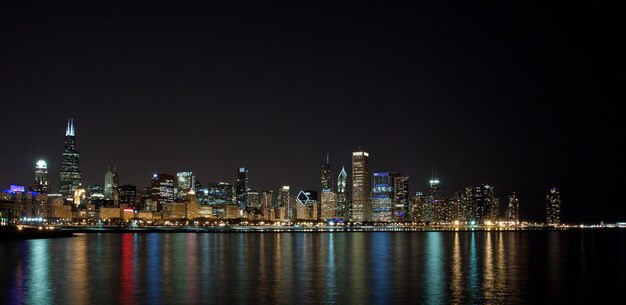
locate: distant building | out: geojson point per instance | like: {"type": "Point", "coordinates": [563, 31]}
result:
{"type": "Point", "coordinates": [327, 183]}
{"type": "Point", "coordinates": [361, 187]}
{"type": "Point", "coordinates": [284, 200]}
{"type": "Point", "coordinates": [268, 199]}
{"type": "Point", "coordinates": [241, 187]}
{"type": "Point", "coordinates": [185, 182]}
{"type": "Point", "coordinates": [401, 200]}
{"type": "Point", "coordinates": [328, 205]}
{"type": "Point", "coordinates": [127, 195]}
{"type": "Point", "coordinates": [191, 208]}
{"type": "Point", "coordinates": [553, 207]}
{"type": "Point", "coordinates": [482, 204]}
{"type": "Point", "coordinates": [219, 193]}
{"type": "Point", "coordinates": [253, 199]}
{"type": "Point", "coordinates": [40, 185]}
{"type": "Point", "coordinates": [162, 189]}
{"type": "Point", "coordinates": [512, 211]}
{"type": "Point", "coordinates": [70, 171]}
{"type": "Point", "coordinates": [111, 183]}
{"type": "Point", "coordinates": [342, 201]}
{"type": "Point", "coordinates": [174, 210]}
{"type": "Point", "coordinates": [382, 196]}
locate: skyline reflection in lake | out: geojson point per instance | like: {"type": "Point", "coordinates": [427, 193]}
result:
{"type": "Point", "coordinates": [495, 267]}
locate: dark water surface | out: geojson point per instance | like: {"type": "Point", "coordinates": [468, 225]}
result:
{"type": "Point", "coordinates": [317, 268]}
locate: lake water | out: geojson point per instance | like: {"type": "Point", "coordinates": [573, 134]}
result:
{"type": "Point", "coordinates": [317, 268]}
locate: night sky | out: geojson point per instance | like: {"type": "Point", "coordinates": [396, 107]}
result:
{"type": "Point", "coordinates": [516, 95]}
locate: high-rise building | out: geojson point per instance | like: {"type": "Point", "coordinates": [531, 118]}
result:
{"type": "Point", "coordinates": [220, 193]}
{"type": "Point", "coordinates": [41, 178]}
{"type": "Point", "coordinates": [361, 187]}
{"type": "Point", "coordinates": [284, 201]}
{"type": "Point", "coordinates": [268, 199]}
{"type": "Point", "coordinates": [327, 183]}
{"type": "Point", "coordinates": [328, 205]}
{"type": "Point", "coordinates": [553, 207]}
{"type": "Point", "coordinates": [253, 199]}
{"type": "Point", "coordinates": [111, 183]}
{"type": "Point", "coordinates": [512, 211]}
{"type": "Point", "coordinates": [482, 204]}
{"type": "Point", "coordinates": [162, 189]}
{"type": "Point", "coordinates": [241, 187]}
{"type": "Point", "coordinates": [185, 182]}
{"type": "Point", "coordinates": [417, 207]}
{"type": "Point", "coordinates": [343, 201]}
{"type": "Point", "coordinates": [70, 172]}
{"type": "Point", "coordinates": [401, 200]}
{"type": "Point", "coordinates": [382, 196]}
{"type": "Point", "coordinates": [127, 194]}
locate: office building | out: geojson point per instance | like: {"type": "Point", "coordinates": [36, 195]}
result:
{"type": "Point", "coordinates": [553, 207]}
{"type": "Point", "coordinates": [361, 187]}
{"type": "Point", "coordinates": [70, 175]}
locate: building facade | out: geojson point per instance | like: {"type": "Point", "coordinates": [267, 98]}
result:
{"type": "Point", "coordinates": [361, 187]}
{"type": "Point", "coordinates": [70, 175]}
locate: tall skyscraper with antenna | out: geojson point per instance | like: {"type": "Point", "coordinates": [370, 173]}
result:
{"type": "Point", "coordinates": [70, 171]}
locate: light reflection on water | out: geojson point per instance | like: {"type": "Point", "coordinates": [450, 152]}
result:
{"type": "Point", "coordinates": [314, 268]}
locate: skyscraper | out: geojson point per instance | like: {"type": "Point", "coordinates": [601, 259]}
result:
{"type": "Point", "coordinates": [342, 201]}
{"type": "Point", "coordinates": [512, 211]}
{"type": "Point", "coordinates": [482, 202]}
{"type": "Point", "coordinates": [553, 207]}
{"type": "Point", "coordinates": [401, 198]}
{"type": "Point", "coordinates": [70, 172]}
{"type": "Point", "coordinates": [284, 201]}
{"type": "Point", "coordinates": [41, 178]}
{"type": "Point", "coordinates": [361, 187]}
{"type": "Point", "coordinates": [327, 183]}
{"type": "Point", "coordinates": [382, 196]}
{"type": "Point", "coordinates": [241, 187]}
{"type": "Point", "coordinates": [185, 182]}
{"type": "Point", "coordinates": [162, 189]}
{"type": "Point", "coordinates": [111, 183]}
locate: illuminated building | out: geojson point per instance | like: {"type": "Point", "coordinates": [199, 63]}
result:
{"type": "Point", "coordinates": [220, 193]}
{"type": "Point", "coordinates": [253, 199]}
{"type": "Point", "coordinates": [57, 208]}
{"type": "Point", "coordinates": [70, 172]}
{"type": "Point", "coordinates": [482, 204]}
{"type": "Point", "coordinates": [241, 187]}
{"type": "Point", "coordinates": [328, 205]}
{"type": "Point", "coordinates": [127, 195]}
{"type": "Point", "coordinates": [327, 183]}
{"type": "Point", "coordinates": [553, 207]}
{"type": "Point", "coordinates": [401, 200]}
{"type": "Point", "coordinates": [361, 187]}
{"type": "Point", "coordinates": [417, 207]}
{"type": "Point", "coordinates": [40, 185]}
{"type": "Point", "coordinates": [79, 196]}
{"type": "Point", "coordinates": [382, 196]}
{"type": "Point", "coordinates": [174, 210]}
{"type": "Point", "coordinates": [185, 181]}
{"type": "Point", "coordinates": [512, 211]}
{"type": "Point", "coordinates": [268, 199]}
{"type": "Point", "coordinates": [111, 183]}
{"type": "Point", "coordinates": [343, 201]}
{"type": "Point", "coordinates": [109, 213]}
{"type": "Point", "coordinates": [284, 200]}
{"type": "Point", "coordinates": [162, 189]}
{"type": "Point", "coordinates": [191, 208]}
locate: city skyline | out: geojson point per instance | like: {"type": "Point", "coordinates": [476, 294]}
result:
{"type": "Point", "coordinates": [376, 196]}
{"type": "Point", "coordinates": [523, 105]}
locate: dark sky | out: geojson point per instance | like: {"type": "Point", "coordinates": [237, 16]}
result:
{"type": "Point", "coordinates": [516, 94]}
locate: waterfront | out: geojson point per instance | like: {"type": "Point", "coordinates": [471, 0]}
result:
{"type": "Point", "coordinates": [498, 267]}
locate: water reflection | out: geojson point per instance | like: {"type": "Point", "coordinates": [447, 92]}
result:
{"type": "Point", "coordinates": [433, 260]}
{"type": "Point", "coordinates": [39, 284]}
{"type": "Point", "coordinates": [311, 268]}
